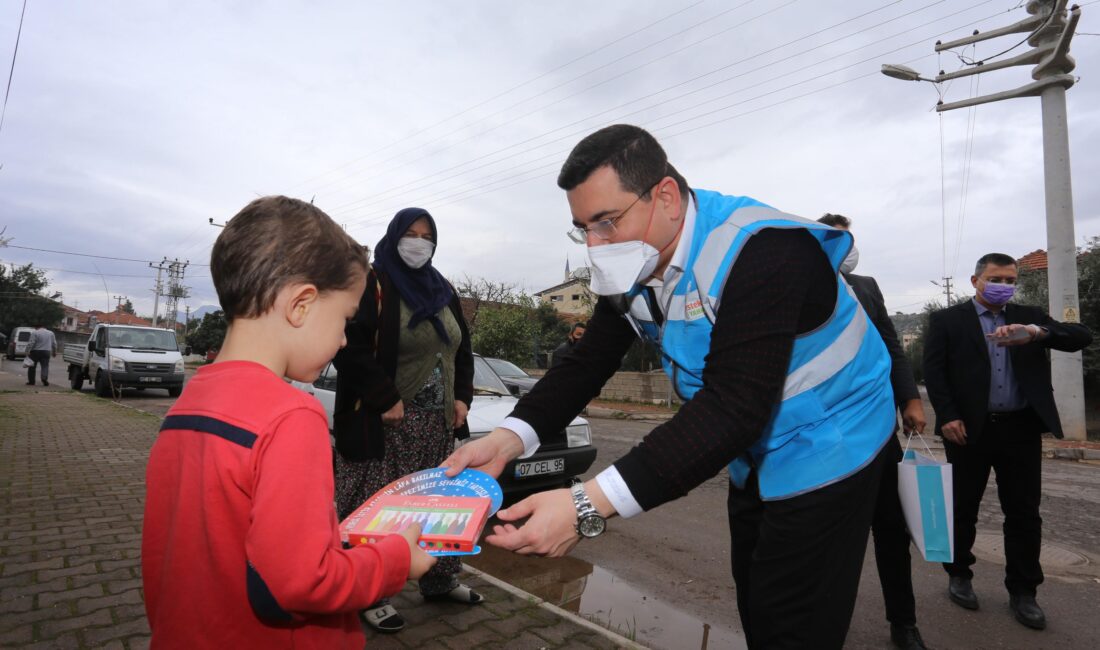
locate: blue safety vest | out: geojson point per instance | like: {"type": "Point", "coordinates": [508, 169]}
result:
{"type": "Point", "coordinates": [837, 408]}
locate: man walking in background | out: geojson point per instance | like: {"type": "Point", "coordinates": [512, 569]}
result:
{"type": "Point", "coordinates": [891, 536]}
{"type": "Point", "coordinates": [42, 347]}
{"type": "Point", "coordinates": [988, 378]}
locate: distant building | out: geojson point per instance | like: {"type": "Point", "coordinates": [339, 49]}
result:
{"type": "Point", "coordinates": [116, 317]}
{"type": "Point", "coordinates": [571, 297]}
{"type": "Point", "coordinates": [908, 339]}
{"type": "Point", "coordinates": [73, 319]}
{"type": "Point", "coordinates": [1033, 261]}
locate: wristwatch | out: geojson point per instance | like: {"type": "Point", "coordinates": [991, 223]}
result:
{"type": "Point", "coordinates": [589, 522]}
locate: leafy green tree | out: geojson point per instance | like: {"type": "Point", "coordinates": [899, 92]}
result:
{"type": "Point", "coordinates": [127, 308]}
{"type": "Point", "coordinates": [209, 333]}
{"type": "Point", "coordinates": [506, 332]}
{"type": "Point", "coordinates": [24, 300]}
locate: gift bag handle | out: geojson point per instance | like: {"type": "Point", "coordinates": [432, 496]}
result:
{"type": "Point", "coordinates": [909, 439]}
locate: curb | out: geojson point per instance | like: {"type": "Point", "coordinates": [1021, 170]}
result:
{"type": "Point", "coordinates": [620, 641]}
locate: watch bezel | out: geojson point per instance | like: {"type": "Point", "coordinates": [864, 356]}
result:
{"type": "Point", "coordinates": [591, 525]}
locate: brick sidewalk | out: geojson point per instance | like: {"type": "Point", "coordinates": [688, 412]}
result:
{"type": "Point", "coordinates": [71, 490]}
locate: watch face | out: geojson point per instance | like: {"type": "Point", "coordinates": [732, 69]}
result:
{"type": "Point", "coordinates": [591, 526]}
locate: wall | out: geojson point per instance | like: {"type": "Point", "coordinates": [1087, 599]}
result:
{"type": "Point", "coordinates": [652, 387]}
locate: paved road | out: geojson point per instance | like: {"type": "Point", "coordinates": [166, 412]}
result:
{"type": "Point", "coordinates": [71, 491]}
{"type": "Point", "coordinates": [679, 554]}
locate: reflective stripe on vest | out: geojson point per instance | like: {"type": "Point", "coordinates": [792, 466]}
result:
{"type": "Point", "coordinates": [837, 407]}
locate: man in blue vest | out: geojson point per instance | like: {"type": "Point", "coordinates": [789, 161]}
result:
{"type": "Point", "coordinates": [784, 379]}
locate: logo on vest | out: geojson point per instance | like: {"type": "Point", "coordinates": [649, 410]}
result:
{"type": "Point", "coordinates": [693, 310]}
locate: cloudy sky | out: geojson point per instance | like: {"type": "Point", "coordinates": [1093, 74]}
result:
{"type": "Point", "coordinates": [131, 124]}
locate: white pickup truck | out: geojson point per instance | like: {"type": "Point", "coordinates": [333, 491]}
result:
{"type": "Point", "coordinates": [124, 356]}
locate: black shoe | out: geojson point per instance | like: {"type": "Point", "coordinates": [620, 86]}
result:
{"type": "Point", "coordinates": [961, 593]}
{"type": "Point", "coordinates": [45, 383]}
{"type": "Point", "coordinates": [30, 383]}
{"type": "Point", "coordinates": [906, 637]}
{"type": "Point", "coordinates": [1027, 611]}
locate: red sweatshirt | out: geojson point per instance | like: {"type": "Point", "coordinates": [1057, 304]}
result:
{"type": "Point", "coordinates": [240, 547]}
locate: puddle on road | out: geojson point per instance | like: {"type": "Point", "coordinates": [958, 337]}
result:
{"type": "Point", "coordinates": [601, 597]}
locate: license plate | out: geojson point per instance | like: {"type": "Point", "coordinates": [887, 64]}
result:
{"type": "Point", "coordinates": [149, 379]}
{"type": "Point", "coordinates": [540, 467]}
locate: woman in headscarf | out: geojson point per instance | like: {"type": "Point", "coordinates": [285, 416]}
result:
{"type": "Point", "coordinates": [404, 386]}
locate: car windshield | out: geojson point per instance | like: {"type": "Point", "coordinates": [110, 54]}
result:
{"type": "Point", "coordinates": [506, 368]}
{"type": "Point", "coordinates": [486, 382]}
{"type": "Point", "coordinates": [143, 339]}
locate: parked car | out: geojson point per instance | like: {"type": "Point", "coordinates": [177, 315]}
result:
{"type": "Point", "coordinates": [19, 341]}
{"type": "Point", "coordinates": [123, 356]}
{"type": "Point", "coordinates": [519, 383]}
{"type": "Point", "coordinates": [566, 455]}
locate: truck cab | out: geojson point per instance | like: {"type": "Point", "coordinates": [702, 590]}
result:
{"type": "Point", "coordinates": [125, 356]}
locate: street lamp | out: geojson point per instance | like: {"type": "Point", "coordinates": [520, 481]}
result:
{"type": "Point", "coordinates": [903, 72]}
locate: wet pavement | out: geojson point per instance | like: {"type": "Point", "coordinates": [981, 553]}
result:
{"type": "Point", "coordinates": [71, 492]}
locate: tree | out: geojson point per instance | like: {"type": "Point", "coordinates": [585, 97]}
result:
{"type": "Point", "coordinates": [209, 333]}
{"type": "Point", "coordinates": [480, 292]}
{"type": "Point", "coordinates": [506, 332]}
{"type": "Point", "coordinates": [127, 308]}
{"type": "Point", "coordinates": [24, 300]}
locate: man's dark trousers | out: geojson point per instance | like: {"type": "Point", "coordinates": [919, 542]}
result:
{"type": "Point", "coordinates": [39, 357]}
{"type": "Point", "coordinates": [797, 561]}
{"type": "Point", "coordinates": [1010, 444]}
{"type": "Point", "coordinates": [892, 540]}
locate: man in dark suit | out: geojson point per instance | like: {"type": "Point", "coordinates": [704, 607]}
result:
{"type": "Point", "coordinates": [575, 334]}
{"type": "Point", "coordinates": [888, 527]}
{"type": "Point", "coordinates": [988, 378]}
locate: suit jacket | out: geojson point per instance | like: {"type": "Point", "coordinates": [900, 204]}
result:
{"type": "Point", "coordinates": [957, 372]}
{"type": "Point", "coordinates": [901, 373]}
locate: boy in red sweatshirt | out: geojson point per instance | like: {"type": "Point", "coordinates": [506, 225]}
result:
{"type": "Point", "coordinates": [240, 546]}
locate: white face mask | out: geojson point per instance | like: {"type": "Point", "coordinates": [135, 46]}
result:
{"type": "Point", "coordinates": [616, 268]}
{"type": "Point", "coordinates": [849, 263]}
{"type": "Point", "coordinates": [414, 251]}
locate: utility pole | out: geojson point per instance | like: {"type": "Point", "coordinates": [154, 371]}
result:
{"type": "Point", "coordinates": [157, 288]}
{"type": "Point", "coordinates": [1049, 34]}
{"type": "Point", "coordinates": [176, 290]}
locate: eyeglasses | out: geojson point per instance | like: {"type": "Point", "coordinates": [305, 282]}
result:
{"type": "Point", "coordinates": [604, 228]}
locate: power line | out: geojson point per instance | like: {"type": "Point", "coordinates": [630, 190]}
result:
{"type": "Point", "coordinates": [510, 90]}
{"type": "Point", "coordinates": [430, 179]}
{"type": "Point", "coordinates": [99, 257]}
{"type": "Point", "coordinates": [11, 72]}
{"type": "Point", "coordinates": [662, 57]}
{"type": "Point", "coordinates": [725, 119]}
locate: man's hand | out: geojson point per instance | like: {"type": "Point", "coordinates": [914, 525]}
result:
{"type": "Point", "coordinates": [489, 454]}
{"type": "Point", "coordinates": [955, 431]}
{"type": "Point", "coordinates": [912, 416]}
{"type": "Point", "coordinates": [419, 560]}
{"type": "Point", "coordinates": [394, 416]}
{"type": "Point", "coordinates": [551, 530]}
{"type": "Point", "coordinates": [1015, 334]}
{"type": "Point", "coordinates": [460, 413]}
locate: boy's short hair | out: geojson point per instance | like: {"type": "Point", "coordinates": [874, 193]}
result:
{"type": "Point", "coordinates": [274, 241]}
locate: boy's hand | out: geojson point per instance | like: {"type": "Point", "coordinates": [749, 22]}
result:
{"type": "Point", "coordinates": [419, 561]}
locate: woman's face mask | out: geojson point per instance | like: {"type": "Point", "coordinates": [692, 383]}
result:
{"type": "Point", "coordinates": [415, 252]}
